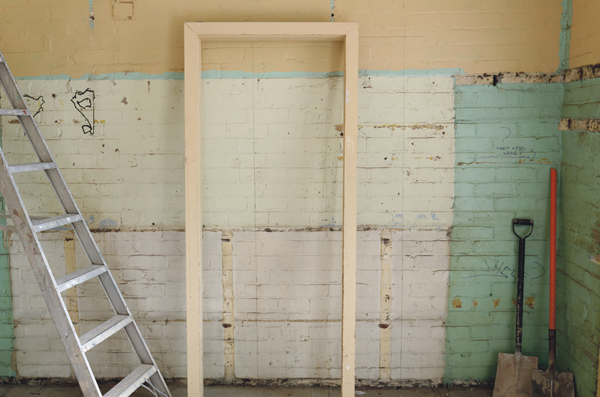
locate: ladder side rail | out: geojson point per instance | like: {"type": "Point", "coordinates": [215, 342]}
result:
{"type": "Point", "coordinates": [15, 97]}
{"type": "Point", "coordinates": [54, 175]}
{"type": "Point", "coordinates": [133, 332]}
{"type": "Point", "coordinates": [141, 348]}
{"type": "Point", "coordinates": [59, 185]}
{"type": "Point", "coordinates": [46, 282]}
{"type": "Point", "coordinates": [12, 90]}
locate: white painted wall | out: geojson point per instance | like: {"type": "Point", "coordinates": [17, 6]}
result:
{"type": "Point", "coordinates": [270, 145]}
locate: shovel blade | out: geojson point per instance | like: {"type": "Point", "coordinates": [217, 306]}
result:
{"type": "Point", "coordinates": [513, 377]}
{"type": "Point", "coordinates": [541, 381]}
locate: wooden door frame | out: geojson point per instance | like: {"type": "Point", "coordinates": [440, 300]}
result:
{"type": "Point", "coordinates": [194, 34]}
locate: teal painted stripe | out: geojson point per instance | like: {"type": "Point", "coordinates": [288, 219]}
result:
{"type": "Point", "coordinates": [217, 74]}
{"type": "Point", "coordinates": [565, 35]}
{"type": "Point", "coordinates": [91, 13]}
{"type": "Point", "coordinates": [331, 11]}
{"type": "Point", "coordinates": [7, 323]}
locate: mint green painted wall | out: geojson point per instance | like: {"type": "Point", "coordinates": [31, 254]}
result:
{"type": "Point", "coordinates": [578, 278]}
{"type": "Point", "coordinates": [506, 141]}
{"type": "Point", "coordinates": [7, 325]}
{"type": "Point", "coordinates": [582, 99]}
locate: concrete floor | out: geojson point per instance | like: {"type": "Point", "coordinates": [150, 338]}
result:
{"type": "Point", "coordinates": [220, 391]}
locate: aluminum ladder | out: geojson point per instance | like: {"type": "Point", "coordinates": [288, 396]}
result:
{"type": "Point", "coordinates": [147, 374]}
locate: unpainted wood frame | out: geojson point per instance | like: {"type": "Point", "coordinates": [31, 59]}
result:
{"type": "Point", "coordinates": [195, 33]}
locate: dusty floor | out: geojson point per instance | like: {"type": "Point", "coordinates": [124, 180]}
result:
{"type": "Point", "coordinates": [218, 391]}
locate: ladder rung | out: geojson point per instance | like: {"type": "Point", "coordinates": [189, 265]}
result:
{"type": "Point", "coordinates": [104, 331]}
{"type": "Point", "coordinates": [8, 228]}
{"type": "Point", "coordinates": [132, 381]}
{"type": "Point", "coordinates": [56, 221]}
{"type": "Point", "coordinates": [31, 167]}
{"type": "Point", "coordinates": [79, 277]}
{"type": "Point", "coordinates": [14, 112]}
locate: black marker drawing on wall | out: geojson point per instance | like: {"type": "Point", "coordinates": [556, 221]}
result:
{"type": "Point", "coordinates": [84, 103]}
{"type": "Point", "coordinates": [39, 101]}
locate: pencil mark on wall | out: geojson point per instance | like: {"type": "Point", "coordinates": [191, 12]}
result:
{"type": "Point", "coordinates": [318, 117]}
{"type": "Point", "coordinates": [497, 268]}
{"type": "Point", "coordinates": [509, 133]}
{"type": "Point", "coordinates": [84, 104]}
{"type": "Point", "coordinates": [511, 152]}
{"type": "Point", "coordinates": [39, 101]}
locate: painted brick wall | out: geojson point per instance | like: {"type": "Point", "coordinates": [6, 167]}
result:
{"type": "Point", "coordinates": [585, 36]}
{"type": "Point", "coordinates": [506, 141]}
{"type": "Point", "coordinates": [479, 37]}
{"type": "Point", "coordinates": [45, 37]}
{"type": "Point", "coordinates": [269, 144]}
{"type": "Point", "coordinates": [7, 326]}
{"type": "Point", "coordinates": [286, 310]}
{"type": "Point", "coordinates": [578, 318]}
{"type": "Point", "coordinates": [128, 179]}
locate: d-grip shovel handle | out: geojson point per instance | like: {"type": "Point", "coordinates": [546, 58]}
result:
{"type": "Point", "coordinates": [521, 279]}
{"type": "Point", "coordinates": [522, 222]}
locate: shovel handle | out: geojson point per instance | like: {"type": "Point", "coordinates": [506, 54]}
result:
{"type": "Point", "coordinates": [552, 249]}
{"type": "Point", "coordinates": [521, 279]}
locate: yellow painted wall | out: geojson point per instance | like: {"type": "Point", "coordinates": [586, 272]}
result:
{"type": "Point", "coordinates": [476, 35]}
{"type": "Point", "coordinates": [54, 36]}
{"type": "Point", "coordinates": [585, 33]}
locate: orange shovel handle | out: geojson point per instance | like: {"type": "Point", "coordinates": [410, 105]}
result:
{"type": "Point", "coordinates": [552, 249]}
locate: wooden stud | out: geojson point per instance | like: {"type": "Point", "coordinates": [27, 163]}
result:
{"type": "Point", "coordinates": [193, 212]}
{"type": "Point", "coordinates": [349, 215]}
{"type": "Point", "coordinates": [195, 32]}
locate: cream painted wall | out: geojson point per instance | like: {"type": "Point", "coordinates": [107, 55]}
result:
{"type": "Point", "coordinates": [47, 37]}
{"type": "Point", "coordinates": [269, 143]}
{"type": "Point", "coordinates": [273, 143]}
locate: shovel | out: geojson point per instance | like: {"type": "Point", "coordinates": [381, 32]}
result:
{"type": "Point", "coordinates": [549, 383]}
{"type": "Point", "coordinates": [513, 376]}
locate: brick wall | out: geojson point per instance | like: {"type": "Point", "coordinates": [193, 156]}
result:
{"type": "Point", "coordinates": [269, 144]}
{"type": "Point", "coordinates": [585, 37]}
{"type": "Point", "coordinates": [45, 37]}
{"type": "Point", "coordinates": [506, 141]}
{"type": "Point", "coordinates": [272, 158]}
{"type": "Point", "coordinates": [286, 309]}
{"type": "Point", "coordinates": [578, 319]}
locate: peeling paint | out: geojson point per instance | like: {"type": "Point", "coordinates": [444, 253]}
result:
{"type": "Point", "coordinates": [569, 124]}
{"type": "Point", "coordinates": [496, 302]}
{"type": "Point", "coordinates": [582, 73]}
{"type": "Point", "coordinates": [456, 303]}
{"type": "Point", "coordinates": [404, 126]}
{"type": "Point", "coordinates": [530, 301]}
{"type": "Point", "coordinates": [510, 78]}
